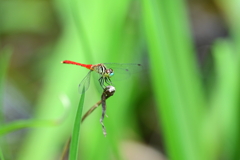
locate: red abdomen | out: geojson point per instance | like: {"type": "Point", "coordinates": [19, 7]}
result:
{"type": "Point", "coordinates": [88, 66]}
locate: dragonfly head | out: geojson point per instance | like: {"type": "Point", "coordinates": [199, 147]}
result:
{"type": "Point", "coordinates": [109, 72]}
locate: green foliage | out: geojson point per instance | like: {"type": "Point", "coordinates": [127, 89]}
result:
{"type": "Point", "coordinates": [177, 85]}
{"type": "Point", "coordinates": [21, 124]}
{"type": "Point", "coordinates": [5, 55]}
{"type": "Point", "coordinates": [200, 130]}
{"type": "Point", "coordinates": [195, 125]}
{"type": "Point", "coordinates": [76, 130]}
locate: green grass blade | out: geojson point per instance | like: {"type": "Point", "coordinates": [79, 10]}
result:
{"type": "Point", "coordinates": [175, 77]}
{"type": "Point", "coordinates": [21, 124]}
{"type": "Point", "coordinates": [75, 135]}
{"type": "Point", "coordinates": [5, 55]}
{"type": "Point", "coordinates": [225, 101]}
{"type": "Point", "coordinates": [81, 31]}
{"type": "Point", "coordinates": [1, 154]}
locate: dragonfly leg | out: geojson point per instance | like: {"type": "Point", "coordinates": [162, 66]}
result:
{"type": "Point", "coordinates": [108, 80]}
{"type": "Point", "coordinates": [101, 81]}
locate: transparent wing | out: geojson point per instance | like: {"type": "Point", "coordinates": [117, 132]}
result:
{"type": "Point", "coordinates": [84, 83]}
{"type": "Point", "coordinates": [120, 74]}
{"type": "Point", "coordinates": [125, 67]}
{"type": "Point", "coordinates": [123, 71]}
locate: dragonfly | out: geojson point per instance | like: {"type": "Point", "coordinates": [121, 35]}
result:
{"type": "Point", "coordinates": [106, 71]}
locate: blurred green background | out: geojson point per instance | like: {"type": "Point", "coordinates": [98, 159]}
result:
{"type": "Point", "coordinates": [183, 105]}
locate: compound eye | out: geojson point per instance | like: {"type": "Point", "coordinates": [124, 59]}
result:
{"type": "Point", "coordinates": [111, 74]}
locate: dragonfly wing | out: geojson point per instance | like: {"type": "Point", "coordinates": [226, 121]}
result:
{"type": "Point", "coordinates": [84, 83]}
{"type": "Point", "coordinates": [120, 74]}
{"type": "Point", "coordinates": [123, 71]}
{"type": "Point", "coordinates": [128, 67]}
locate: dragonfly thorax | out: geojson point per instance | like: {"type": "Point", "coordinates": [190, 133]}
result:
{"type": "Point", "coordinates": [102, 70]}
